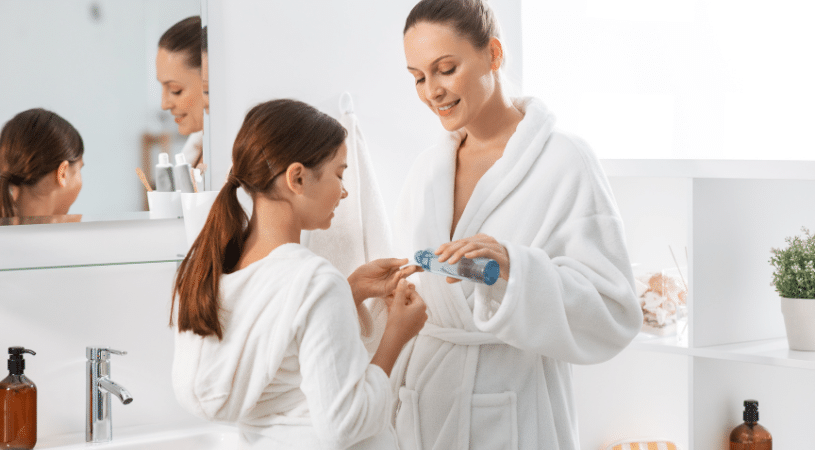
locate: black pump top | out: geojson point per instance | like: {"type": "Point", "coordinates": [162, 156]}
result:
{"type": "Point", "coordinates": [16, 363]}
{"type": "Point", "coordinates": [750, 411]}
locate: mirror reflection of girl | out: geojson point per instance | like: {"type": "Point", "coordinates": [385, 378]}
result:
{"type": "Point", "coordinates": [267, 332]}
{"type": "Point", "coordinates": [178, 69]}
{"type": "Point", "coordinates": [492, 367]}
{"type": "Point", "coordinates": [40, 165]}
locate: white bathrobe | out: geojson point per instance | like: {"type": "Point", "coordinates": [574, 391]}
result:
{"type": "Point", "coordinates": [492, 367]}
{"type": "Point", "coordinates": [291, 369]}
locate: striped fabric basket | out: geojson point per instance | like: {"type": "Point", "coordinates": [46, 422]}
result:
{"type": "Point", "coordinates": [643, 444]}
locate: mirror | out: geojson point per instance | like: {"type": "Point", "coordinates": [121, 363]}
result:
{"type": "Point", "coordinates": [93, 63]}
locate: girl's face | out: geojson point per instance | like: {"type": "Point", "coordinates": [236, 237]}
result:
{"type": "Point", "coordinates": [181, 90]}
{"type": "Point", "coordinates": [70, 182]}
{"type": "Point", "coordinates": [205, 79]}
{"type": "Point", "coordinates": [453, 78]}
{"type": "Point", "coordinates": [323, 191]}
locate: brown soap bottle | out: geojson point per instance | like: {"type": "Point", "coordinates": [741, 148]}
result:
{"type": "Point", "coordinates": [750, 435]}
{"type": "Point", "coordinates": [18, 400]}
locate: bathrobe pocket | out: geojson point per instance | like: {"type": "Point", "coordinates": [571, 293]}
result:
{"type": "Point", "coordinates": [494, 421]}
{"type": "Point", "coordinates": [407, 420]}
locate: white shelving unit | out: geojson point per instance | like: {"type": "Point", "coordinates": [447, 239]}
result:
{"type": "Point", "coordinates": [728, 215]}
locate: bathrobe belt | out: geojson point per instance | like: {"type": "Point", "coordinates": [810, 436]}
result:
{"type": "Point", "coordinates": [458, 336]}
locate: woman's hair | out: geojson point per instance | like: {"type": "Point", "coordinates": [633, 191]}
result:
{"type": "Point", "coordinates": [274, 135]}
{"type": "Point", "coordinates": [184, 37]}
{"type": "Point", "coordinates": [33, 144]}
{"type": "Point", "coordinates": [472, 19]}
{"type": "Point", "coordinates": [204, 40]}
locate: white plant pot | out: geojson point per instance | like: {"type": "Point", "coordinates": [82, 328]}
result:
{"type": "Point", "coordinates": [799, 318]}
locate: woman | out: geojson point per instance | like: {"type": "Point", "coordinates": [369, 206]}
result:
{"type": "Point", "coordinates": [178, 69]}
{"type": "Point", "coordinates": [268, 336]}
{"type": "Point", "coordinates": [492, 366]}
{"type": "Point", "coordinates": [40, 165]}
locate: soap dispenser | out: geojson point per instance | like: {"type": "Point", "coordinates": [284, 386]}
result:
{"type": "Point", "coordinates": [18, 400]}
{"type": "Point", "coordinates": [750, 435]}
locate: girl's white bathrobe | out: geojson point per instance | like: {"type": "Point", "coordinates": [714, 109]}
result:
{"type": "Point", "coordinates": [291, 369]}
{"type": "Point", "coordinates": [492, 367]}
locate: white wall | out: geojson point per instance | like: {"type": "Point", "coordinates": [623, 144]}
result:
{"type": "Point", "coordinates": [97, 74]}
{"type": "Point", "coordinates": [313, 51]}
{"type": "Point", "coordinates": [704, 79]}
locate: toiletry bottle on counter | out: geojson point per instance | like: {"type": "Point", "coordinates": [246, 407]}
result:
{"type": "Point", "coordinates": [750, 435]}
{"type": "Point", "coordinates": [182, 173]}
{"type": "Point", "coordinates": [480, 270]}
{"type": "Point", "coordinates": [164, 174]}
{"type": "Point", "coordinates": [18, 400]}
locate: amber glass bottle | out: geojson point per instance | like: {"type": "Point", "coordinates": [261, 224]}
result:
{"type": "Point", "coordinates": [750, 435]}
{"type": "Point", "coordinates": [18, 400]}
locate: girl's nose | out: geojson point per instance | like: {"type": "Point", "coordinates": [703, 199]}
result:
{"type": "Point", "coordinates": [432, 89]}
{"type": "Point", "coordinates": [165, 100]}
{"type": "Point", "coordinates": [344, 193]}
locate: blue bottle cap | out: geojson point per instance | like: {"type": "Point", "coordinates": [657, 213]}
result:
{"type": "Point", "coordinates": [491, 272]}
{"type": "Point", "coordinates": [423, 257]}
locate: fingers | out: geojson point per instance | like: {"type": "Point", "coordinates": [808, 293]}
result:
{"type": "Point", "coordinates": [390, 263]}
{"type": "Point", "coordinates": [451, 280]}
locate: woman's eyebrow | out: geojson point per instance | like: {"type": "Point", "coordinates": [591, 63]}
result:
{"type": "Point", "coordinates": [434, 61]}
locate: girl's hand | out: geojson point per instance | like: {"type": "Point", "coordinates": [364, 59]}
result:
{"type": "Point", "coordinates": [407, 312]}
{"type": "Point", "coordinates": [378, 278]}
{"type": "Point", "coordinates": [478, 246]}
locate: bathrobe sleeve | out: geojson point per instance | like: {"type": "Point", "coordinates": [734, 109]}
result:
{"type": "Point", "coordinates": [348, 398]}
{"type": "Point", "coordinates": [570, 294]}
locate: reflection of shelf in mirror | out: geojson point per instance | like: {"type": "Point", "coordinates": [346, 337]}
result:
{"type": "Point", "coordinates": [74, 266]}
{"type": "Point", "coordinates": [662, 344]}
{"type": "Point", "coordinates": [774, 352]}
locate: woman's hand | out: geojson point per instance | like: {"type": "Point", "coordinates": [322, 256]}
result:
{"type": "Point", "coordinates": [378, 278]}
{"type": "Point", "coordinates": [478, 246]}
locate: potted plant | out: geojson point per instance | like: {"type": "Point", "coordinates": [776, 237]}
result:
{"type": "Point", "coordinates": [794, 280]}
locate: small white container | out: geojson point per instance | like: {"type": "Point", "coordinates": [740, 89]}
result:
{"type": "Point", "coordinates": [164, 205]}
{"type": "Point", "coordinates": [195, 207]}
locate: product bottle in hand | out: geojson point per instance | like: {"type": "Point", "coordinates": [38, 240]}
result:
{"type": "Point", "coordinates": [18, 405]}
{"type": "Point", "coordinates": [750, 435]}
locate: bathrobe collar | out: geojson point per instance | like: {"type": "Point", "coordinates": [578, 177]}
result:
{"type": "Point", "coordinates": [522, 149]}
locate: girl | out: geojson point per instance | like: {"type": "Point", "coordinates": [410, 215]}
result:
{"type": "Point", "coordinates": [492, 367]}
{"type": "Point", "coordinates": [178, 69]}
{"type": "Point", "coordinates": [40, 165]}
{"type": "Point", "coordinates": [268, 336]}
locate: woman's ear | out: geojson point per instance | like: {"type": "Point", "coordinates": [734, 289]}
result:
{"type": "Point", "coordinates": [62, 174]}
{"type": "Point", "coordinates": [496, 53]}
{"type": "Point", "coordinates": [295, 175]}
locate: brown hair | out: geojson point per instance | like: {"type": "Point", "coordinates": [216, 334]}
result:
{"type": "Point", "coordinates": [472, 19]}
{"type": "Point", "coordinates": [32, 144]}
{"type": "Point", "coordinates": [274, 135]}
{"type": "Point", "coordinates": [184, 37]}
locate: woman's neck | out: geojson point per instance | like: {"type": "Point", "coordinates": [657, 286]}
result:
{"type": "Point", "coordinates": [272, 224]}
{"type": "Point", "coordinates": [495, 124]}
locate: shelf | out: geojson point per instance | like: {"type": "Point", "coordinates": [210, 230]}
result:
{"type": "Point", "coordinates": [662, 344]}
{"type": "Point", "coordinates": [710, 168]}
{"type": "Point", "coordinates": [774, 352]}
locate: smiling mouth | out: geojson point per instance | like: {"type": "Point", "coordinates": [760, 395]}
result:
{"type": "Point", "coordinates": [447, 109]}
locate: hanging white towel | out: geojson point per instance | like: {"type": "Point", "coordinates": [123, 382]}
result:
{"type": "Point", "coordinates": [360, 231]}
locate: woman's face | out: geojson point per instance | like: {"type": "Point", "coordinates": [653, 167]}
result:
{"type": "Point", "coordinates": [325, 190]}
{"type": "Point", "coordinates": [453, 78]}
{"type": "Point", "coordinates": [205, 79]}
{"type": "Point", "coordinates": [181, 90]}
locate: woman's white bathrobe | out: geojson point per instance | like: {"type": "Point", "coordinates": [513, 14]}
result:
{"type": "Point", "coordinates": [291, 369]}
{"type": "Point", "coordinates": [492, 367]}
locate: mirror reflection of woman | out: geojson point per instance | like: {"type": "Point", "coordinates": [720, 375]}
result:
{"type": "Point", "coordinates": [178, 69]}
{"type": "Point", "coordinates": [40, 165]}
{"type": "Point", "coordinates": [492, 366]}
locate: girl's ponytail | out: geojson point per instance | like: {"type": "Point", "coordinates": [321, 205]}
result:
{"type": "Point", "coordinates": [215, 251]}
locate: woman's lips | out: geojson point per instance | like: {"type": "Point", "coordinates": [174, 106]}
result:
{"type": "Point", "coordinates": [178, 119]}
{"type": "Point", "coordinates": [446, 110]}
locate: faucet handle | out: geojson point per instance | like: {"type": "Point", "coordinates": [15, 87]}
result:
{"type": "Point", "coordinates": [101, 353]}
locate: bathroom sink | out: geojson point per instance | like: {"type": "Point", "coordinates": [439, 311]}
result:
{"type": "Point", "coordinates": [210, 437]}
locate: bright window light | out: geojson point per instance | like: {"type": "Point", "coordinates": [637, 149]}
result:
{"type": "Point", "coordinates": [706, 79]}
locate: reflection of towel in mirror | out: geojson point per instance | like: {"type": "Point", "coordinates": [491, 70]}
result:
{"type": "Point", "coordinates": [359, 231]}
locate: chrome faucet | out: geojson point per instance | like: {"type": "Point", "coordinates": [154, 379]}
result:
{"type": "Point", "coordinates": [98, 426]}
